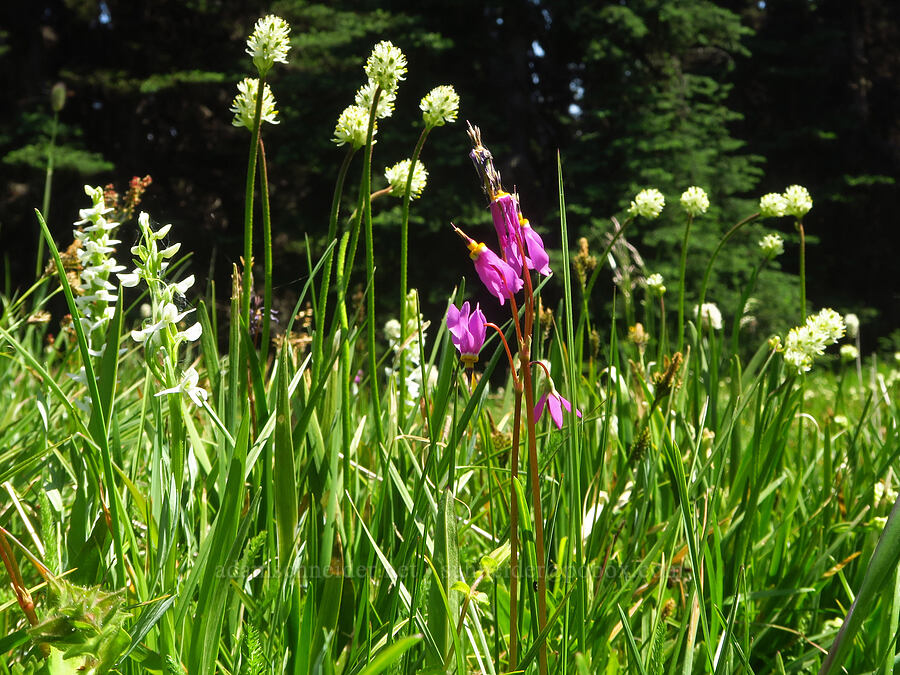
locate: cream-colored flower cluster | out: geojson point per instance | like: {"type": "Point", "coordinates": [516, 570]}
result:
{"type": "Point", "coordinates": [244, 104]}
{"type": "Point", "coordinates": [655, 284]}
{"type": "Point", "coordinates": [804, 343]}
{"type": "Point", "coordinates": [695, 201]}
{"type": "Point", "coordinates": [440, 106]}
{"type": "Point", "coordinates": [648, 203]}
{"type": "Point", "coordinates": [795, 201]}
{"type": "Point", "coordinates": [772, 246]}
{"type": "Point", "coordinates": [269, 43]}
{"type": "Point", "coordinates": [398, 174]}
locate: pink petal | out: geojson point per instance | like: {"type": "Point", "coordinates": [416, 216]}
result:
{"type": "Point", "coordinates": [539, 408]}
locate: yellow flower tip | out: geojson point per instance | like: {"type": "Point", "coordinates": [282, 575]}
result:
{"type": "Point", "coordinates": [475, 249]}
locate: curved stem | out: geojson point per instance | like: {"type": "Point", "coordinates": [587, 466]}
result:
{"type": "Point", "coordinates": [512, 365]}
{"type": "Point", "coordinates": [248, 205]}
{"type": "Point", "coordinates": [722, 241]}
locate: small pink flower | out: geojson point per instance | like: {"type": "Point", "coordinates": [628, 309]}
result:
{"type": "Point", "coordinates": [501, 279]}
{"type": "Point", "coordinates": [537, 257]}
{"type": "Point", "coordinates": [467, 331]}
{"type": "Point", "coordinates": [555, 403]}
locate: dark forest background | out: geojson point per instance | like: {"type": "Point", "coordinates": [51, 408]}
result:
{"type": "Point", "coordinates": [741, 98]}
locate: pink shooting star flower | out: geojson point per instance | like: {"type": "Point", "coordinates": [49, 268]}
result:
{"type": "Point", "coordinates": [504, 212]}
{"type": "Point", "coordinates": [499, 278]}
{"type": "Point", "coordinates": [555, 403]}
{"type": "Point", "coordinates": [467, 331]}
{"type": "Point", "coordinates": [537, 258]}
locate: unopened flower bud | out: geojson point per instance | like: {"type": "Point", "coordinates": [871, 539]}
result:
{"type": "Point", "coordinates": [58, 97]}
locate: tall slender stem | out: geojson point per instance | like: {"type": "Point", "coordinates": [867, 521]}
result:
{"type": "Point", "coordinates": [45, 205]}
{"type": "Point", "coordinates": [534, 476]}
{"type": "Point", "coordinates": [404, 249]}
{"type": "Point", "coordinates": [366, 188]}
{"type": "Point", "coordinates": [267, 252]}
{"type": "Point", "coordinates": [325, 282]}
{"type": "Point", "coordinates": [802, 270]}
{"type": "Point", "coordinates": [514, 531]}
{"type": "Point", "coordinates": [684, 247]}
{"type": "Point", "coordinates": [248, 206]}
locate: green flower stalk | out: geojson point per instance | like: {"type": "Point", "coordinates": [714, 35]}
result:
{"type": "Point", "coordinates": [385, 68]}
{"type": "Point", "coordinates": [267, 45]}
{"type": "Point", "coordinates": [798, 203]}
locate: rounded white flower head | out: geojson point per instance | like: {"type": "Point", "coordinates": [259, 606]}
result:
{"type": "Point", "coordinates": [244, 104]}
{"type": "Point", "coordinates": [695, 201]}
{"type": "Point", "coordinates": [352, 126]}
{"type": "Point", "coordinates": [439, 106]}
{"type": "Point", "coordinates": [851, 321]}
{"type": "Point", "coordinates": [797, 201]}
{"type": "Point", "coordinates": [828, 323]}
{"type": "Point", "coordinates": [269, 43]}
{"type": "Point", "coordinates": [849, 353]}
{"type": "Point", "coordinates": [772, 205]}
{"type": "Point", "coordinates": [772, 246]}
{"type": "Point", "coordinates": [366, 94]}
{"type": "Point", "coordinates": [386, 65]}
{"type": "Point", "coordinates": [710, 315]}
{"type": "Point", "coordinates": [396, 175]}
{"type": "Point", "coordinates": [648, 203]}
{"type": "Point", "coordinates": [655, 284]}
